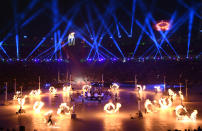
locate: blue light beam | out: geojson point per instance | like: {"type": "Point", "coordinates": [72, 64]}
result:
{"type": "Point", "coordinates": [190, 28]}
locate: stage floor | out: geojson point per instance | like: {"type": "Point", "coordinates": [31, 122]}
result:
{"type": "Point", "coordinates": [91, 114]}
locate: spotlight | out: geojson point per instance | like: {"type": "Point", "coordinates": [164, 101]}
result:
{"type": "Point", "coordinates": [124, 60]}
{"type": "Point", "coordinates": [25, 36]}
{"type": "Point", "coordinates": [130, 35]}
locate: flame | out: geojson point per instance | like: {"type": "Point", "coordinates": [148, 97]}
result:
{"type": "Point", "coordinates": [179, 110]}
{"type": "Point", "coordinates": [172, 94]}
{"type": "Point", "coordinates": [52, 90]}
{"type": "Point", "coordinates": [165, 104]}
{"type": "Point", "coordinates": [37, 106]}
{"type": "Point", "coordinates": [64, 109]}
{"type": "Point", "coordinates": [67, 88]}
{"type": "Point", "coordinates": [48, 113]}
{"type": "Point", "coordinates": [35, 93]}
{"type": "Point", "coordinates": [147, 103]}
{"type": "Point", "coordinates": [115, 89]}
{"type": "Point", "coordinates": [193, 115]}
{"type": "Point", "coordinates": [162, 25]}
{"type": "Point", "coordinates": [141, 88]}
{"type": "Point", "coordinates": [17, 95]}
{"type": "Point", "coordinates": [21, 102]}
{"type": "Point", "coordinates": [114, 86]}
{"type": "Point", "coordinates": [86, 88]}
{"type": "Point", "coordinates": [181, 95]}
{"type": "Point", "coordinates": [111, 108]}
{"type": "Point", "coordinates": [157, 88]}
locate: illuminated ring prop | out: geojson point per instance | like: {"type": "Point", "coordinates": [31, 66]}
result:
{"type": "Point", "coordinates": [66, 88]}
{"type": "Point", "coordinates": [185, 117]}
{"type": "Point", "coordinates": [158, 88]}
{"type": "Point", "coordinates": [163, 25]}
{"type": "Point", "coordinates": [17, 95]}
{"type": "Point", "coordinates": [65, 109]}
{"type": "Point", "coordinates": [86, 88]}
{"type": "Point", "coordinates": [181, 95]}
{"type": "Point", "coordinates": [147, 103]}
{"type": "Point", "coordinates": [38, 105]}
{"type": "Point", "coordinates": [172, 94]}
{"type": "Point", "coordinates": [177, 111]}
{"type": "Point", "coordinates": [52, 90]}
{"type": "Point", "coordinates": [21, 101]}
{"type": "Point", "coordinates": [164, 104]}
{"type": "Point", "coordinates": [114, 109]}
{"type": "Point", "coordinates": [115, 86]}
{"type": "Point", "coordinates": [35, 92]}
{"type": "Point", "coordinates": [48, 113]}
{"type": "Point", "coordinates": [193, 115]}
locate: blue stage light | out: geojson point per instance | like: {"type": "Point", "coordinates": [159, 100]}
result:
{"type": "Point", "coordinates": [130, 35]}
{"type": "Point", "coordinates": [191, 17]}
{"type": "Point", "coordinates": [17, 45]}
{"type": "Point", "coordinates": [25, 36]}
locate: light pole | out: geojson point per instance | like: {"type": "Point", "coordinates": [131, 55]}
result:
{"type": "Point", "coordinates": [186, 82]}
{"type": "Point", "coordinates": [39, 83]}
{"type": "Point", "coordinates": [164, 81]}
{"type": "Point", "coordinates": [102, 80]}
{"type": "Point", "coordinates": [67, 77]}
{"type": "Point", "coordinates": [21, 90]}
{"type": "Point", "coordinates": [70, 79]}
{"type": "Point", "coordinates": [58, 76]}
{"type": "Point", "coordinates": [180, 86]}
{"type": "Point", "coordinates": [15, 85]}
{"type": "Point", "coordinates": [6, 96]}
{"type": "Point", "coordinates": [135, 81]}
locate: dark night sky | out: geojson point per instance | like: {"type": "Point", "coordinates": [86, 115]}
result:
{"type": "Point", "coordinates": [41, 25]}
{"type": "Point", "coordinates": [160, 8]}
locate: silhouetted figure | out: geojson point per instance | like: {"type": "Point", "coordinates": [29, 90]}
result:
{"type": "Point", "coordinates": [199, 128]}
{"type": "Point", "coordinates": [140, 115]}
{"type": "Point", "coordinates": [50, 122]}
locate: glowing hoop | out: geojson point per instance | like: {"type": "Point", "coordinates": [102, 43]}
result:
{"type": "Point", "coordinates": [181, 95]}
{"type": "Point", "coordinates": [37, 106]}
{"type": "Point", "coordinates": [67, 88]}
{"type": "Point", "coordinates": [34, 93]}
{"type": "Point", "coordinates": [158, 88]}
{"type": "Point", "coordinates": [86, 88]}
{"type": "Point", "coordinates": [115, 86]}
{"type": "Point", "coordinates": [163, 26]}
{"type": "Point", "coordinates": [17, 95]}
{"type": "Point", "coordinates": [185, 117]}
{"type": "Point", "coordinates": [48, 113]}
{"type": "Point", "coordinates": [147, 103]}
{"type": "Point", "coordinates": [64, 109]}
{"type": "Point", "coordinates": [52, 90]}
{"type": "Point", "coordinates": [21, 102]}
{"type": "Point", "coordinates": [141, 88]}
{"type": "Point", "coordinates": [172, 94]}
{"type": "Point", "coordinates": [164, 104]}
{"type": "Point", "coordinates": [110, 107]}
